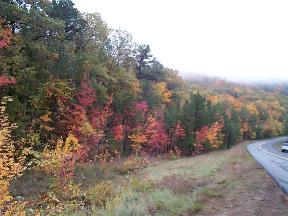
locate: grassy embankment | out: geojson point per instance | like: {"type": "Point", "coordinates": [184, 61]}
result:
{"type": "Point", "coordinates": [225, 182]}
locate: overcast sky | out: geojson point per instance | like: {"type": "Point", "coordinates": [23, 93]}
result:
{"type": "Point", "coordinates": [244, 40]}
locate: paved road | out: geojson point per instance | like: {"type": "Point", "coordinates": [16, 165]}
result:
{"type": "Point", "coordinates": [272, 159]}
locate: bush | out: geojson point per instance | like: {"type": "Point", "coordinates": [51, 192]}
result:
{"type": "Point", "coordinates": [128, 203]}
{"type": "Point", "coordinates": [173, 154]}
{"type": "Point", "coordinates": [140, 186]}
{"type": "Point", "coordinates": [131, 164]}
{"type": "Point", "coordinates": [102, 193]}
{"type": "Point", "coordinates": [165, 201]}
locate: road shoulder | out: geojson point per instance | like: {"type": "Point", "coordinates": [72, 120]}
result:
{"type": "Point", "coordinates": [272, 160]}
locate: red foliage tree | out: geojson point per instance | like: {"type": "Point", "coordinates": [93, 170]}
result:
{"type": "Point", "coordinates": [76, 116]}
{"type": "Point", "coordinates": [118, 128]}
{"type": "Point", "coordinates": [92, 118]}
{"type": "Point", "coordinates": [156, 135]}
{"type": "Point", "coordinates": [4, 80]}
{"type": "Point", "coordinates": [201, 138]}
{"type": "Point", "coordinates": [179, 131]}
{"type": "Point", "coordinates": [99, 117]}
{"type": "Point", "coordinates": [86, 96]}
{"type": "Point", "coordinates": [141, 107]}
{"type": "Point", "coordinates": [118, 132]}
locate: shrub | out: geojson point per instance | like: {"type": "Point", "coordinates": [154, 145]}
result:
{"type": "Point", "coordinates": [174, 154]}
{"type": "Point", "coordinates": [130, 164]}
{"type": "Point", "coordinates": [61, 161]}
{"type": "Point", "coordinates": [102, 193]}
{"type": "Point", "coordinates": [165, 201]}
{"type": "Point", "coordinates": [127, 203]}
{"type": "Point", "coordinates": [140, 186]}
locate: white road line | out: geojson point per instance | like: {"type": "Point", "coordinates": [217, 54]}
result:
{"type": "Point", "coordinates": [261, 148]}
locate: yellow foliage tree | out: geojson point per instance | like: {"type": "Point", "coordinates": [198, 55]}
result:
{"type": "Point", "coordinates": [252, 109]}
{"type": "Point", "coordinates": [61, 161]}
{"type": "Point", "coordinates": [10, 165]}
{"type": "Point", "coordinates": [164, 92]}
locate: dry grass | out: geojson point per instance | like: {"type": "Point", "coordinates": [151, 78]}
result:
{"type": "Point", "coordinates": [227, 182]}
{"type": "Point", "coordinates": [222, 183]}
{"type": "Point", "coordinates": [199, 167]}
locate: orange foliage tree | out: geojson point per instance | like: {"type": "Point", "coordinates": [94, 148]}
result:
{"type": "Point", "coordinates": [5, 35]}
{"type": "Point", "coordinates": [214, 135]}
{"type": "Point", "coordinates": [201, 138]}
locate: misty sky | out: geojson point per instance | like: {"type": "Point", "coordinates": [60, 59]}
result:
{"type": "Point", "coordinates": [244, 40]}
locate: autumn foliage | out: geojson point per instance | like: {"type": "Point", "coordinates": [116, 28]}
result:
{"type": "Point", "coordinates": [201, 138]}
{"type": "Point", "coordinates": [5, 35]}
{"type": "Point", "coordinates": [11, 165]}
{"type": "Point", "coordinates": [4, 80]}
{"type": "Point", "coordinates": [81, 93]}
{"type": "Point", "coordinates": [156, 135]}
{"type": "Point", "coordinates": [214, 135]}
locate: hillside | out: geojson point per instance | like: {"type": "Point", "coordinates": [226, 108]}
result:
{"type": "Point", "coordinates": [79, 96]}
{"type": "Point", "coordinates": [224, 182]}
{"type": "Point", "coordinates": [267, 103]}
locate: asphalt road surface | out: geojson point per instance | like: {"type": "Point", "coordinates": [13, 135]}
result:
{"type": "Point", "coordinates": [272, 159]}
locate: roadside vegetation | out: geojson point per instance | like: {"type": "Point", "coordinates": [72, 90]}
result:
{"type": "Point", "coordinates": [84, 108]}
{"type": "Point", "coordinates": [224, 182]}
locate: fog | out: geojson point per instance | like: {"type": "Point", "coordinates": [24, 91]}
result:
{"type": "Point", "coordinates": [243, 41]}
